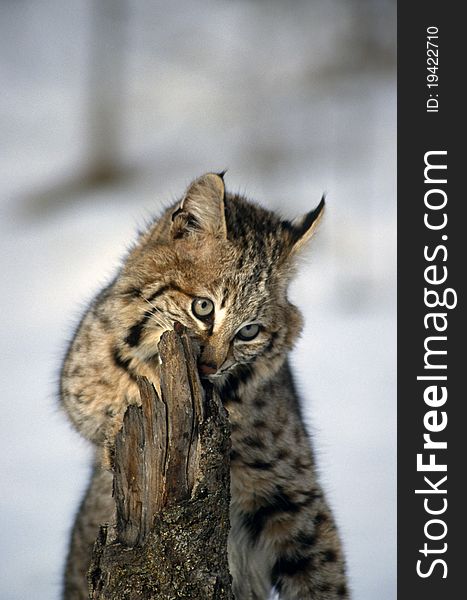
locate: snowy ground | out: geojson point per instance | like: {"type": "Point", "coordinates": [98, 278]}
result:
{"type": "Point", "coordinates": [294, 103]}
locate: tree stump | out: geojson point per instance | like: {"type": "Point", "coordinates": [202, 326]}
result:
{"type": "Point", "coordinates": [171, 488]}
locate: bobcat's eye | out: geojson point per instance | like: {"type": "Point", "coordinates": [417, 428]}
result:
{"type": "Point", "coordinates": [249, 332]}
{"type": "Point", "coordinates": [202, 307]}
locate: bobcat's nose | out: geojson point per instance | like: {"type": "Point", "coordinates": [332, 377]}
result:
{"type": "Point", "coordinates": [207, 368]}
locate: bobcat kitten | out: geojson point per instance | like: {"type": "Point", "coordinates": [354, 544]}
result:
{"type": "Point", "coordinates": [220, 265]}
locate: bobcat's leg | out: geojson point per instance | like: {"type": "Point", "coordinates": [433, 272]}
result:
{"type": "Point", "coordinates": [308, 562]}
{"type": "Point", "coordinates": [288, 542]}
{"type": "Point", "coordinates": [248, 564]}
{"type": "Point", "coordinates": [96, 508]}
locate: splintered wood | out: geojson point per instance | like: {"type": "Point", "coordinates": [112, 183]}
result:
{"type": "Point", "coordinates": [157, 450]}
{"type": "Point", "coordinates": [171, 489]}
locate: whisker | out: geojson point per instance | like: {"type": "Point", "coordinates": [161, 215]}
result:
{"type": "Point", "coordinates": [159, 322]}
{"type": "Point", "coordinates": [151, 304]}
{"type": "Point", "coordinates": [159, 318]}
{"type": "Point", "coordinates": [166, 321]}
{"type": "Point", "coordinates": [227, 369]}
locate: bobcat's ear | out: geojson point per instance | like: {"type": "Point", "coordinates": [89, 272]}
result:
{"type": "Point", "coordinates": [303, 228]}
{"type": "Point", "coordinates": [202, 208]}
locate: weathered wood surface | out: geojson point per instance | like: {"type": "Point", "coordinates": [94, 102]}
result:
{"type": "Point", "coordinates": [171, 488]}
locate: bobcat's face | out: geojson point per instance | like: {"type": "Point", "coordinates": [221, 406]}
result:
{"type": "Point", "coordinates": [222, 270]}
{"type": "Point", "coordinates": [241, 316]}
{"type": "Point", "coordinates": [235, 308]}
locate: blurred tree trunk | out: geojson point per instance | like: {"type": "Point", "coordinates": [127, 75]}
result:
{"type": "Point", "coordinates": [108, 41]}
{"type": "Point", "coordinates": [171, 487]}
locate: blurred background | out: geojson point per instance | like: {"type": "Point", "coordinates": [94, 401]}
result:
{"type": "Point", "coordinates": [108, 109]}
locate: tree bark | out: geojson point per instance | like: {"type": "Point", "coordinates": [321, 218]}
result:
{"type": "Point", "coordinates": [171, 488]}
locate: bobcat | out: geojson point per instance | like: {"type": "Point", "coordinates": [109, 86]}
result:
{"type": "Point", "coordinates": [220, 265]}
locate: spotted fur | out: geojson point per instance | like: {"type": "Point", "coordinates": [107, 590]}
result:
{"type": "Point", "coordinates": [241, 257]}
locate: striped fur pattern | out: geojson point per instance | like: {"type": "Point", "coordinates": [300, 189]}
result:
{"type": "Point", "coordinates": [237, 258]}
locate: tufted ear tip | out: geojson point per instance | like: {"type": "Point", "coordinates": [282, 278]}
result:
{"type": "Point", "coordinates": [202, 208]}
{"type": "Point", "coordinates": [210, 184]}
{"type": "Point", "coordinates": [305, 227]}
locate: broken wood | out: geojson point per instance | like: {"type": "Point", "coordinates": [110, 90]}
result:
{"type": "Point", "coordinates": [171, 488]}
